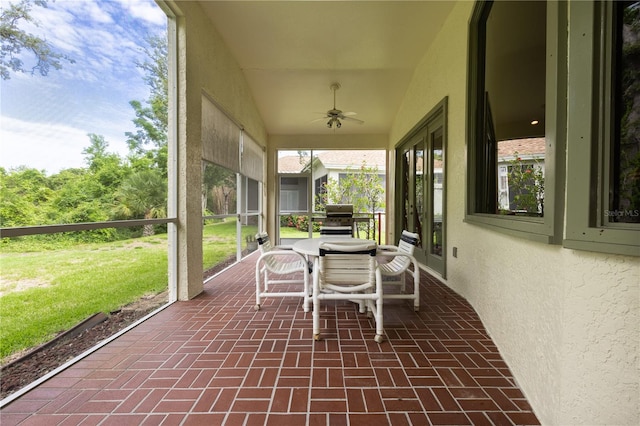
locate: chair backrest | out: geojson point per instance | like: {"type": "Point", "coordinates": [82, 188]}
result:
{"type": "Point", "coordinates": [264, 242]}
{"type": "Point", "coordinates": [336, 231]}
{"type": "Point", "coordinates": [408, 242]}
{"type": "Point", "coordinates": [344, 263]}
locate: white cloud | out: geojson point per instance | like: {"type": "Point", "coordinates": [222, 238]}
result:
{"type": "Point", "coordinates": [145, 10]}
{"type": "Point", "coordinates": [44, 146]}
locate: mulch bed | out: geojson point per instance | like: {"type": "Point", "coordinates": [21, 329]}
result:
{"type": "Point", "coordinates": [19, 373]}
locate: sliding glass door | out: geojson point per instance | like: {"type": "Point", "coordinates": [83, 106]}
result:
{"type": "Point", "coordinates": [421, 181]}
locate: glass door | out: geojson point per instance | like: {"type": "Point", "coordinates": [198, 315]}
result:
{"type": "Point", "coordinates": [421, 169]}
{"type": "Point", "coordinates": [413, 189]}
{"type": "Point", "coordinates": [435, 214]}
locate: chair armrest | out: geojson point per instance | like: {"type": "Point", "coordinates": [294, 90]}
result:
{"type": "Point", "coordinates": [388, 255]}
{"type": "Point", "coordinates": [283, 247]}
{"type": "Point", "coordinates": [292, 257]}
{"type": "Point", "coordinates": [396, 254]}
{"type": "Point", "coordinates": [275, 252]}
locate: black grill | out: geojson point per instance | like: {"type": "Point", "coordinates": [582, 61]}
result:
{"type": "Point", "coordinates": [339, 215]}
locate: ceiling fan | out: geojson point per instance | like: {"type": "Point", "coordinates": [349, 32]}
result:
{"type": "Point", "coordinates": [335, 115]}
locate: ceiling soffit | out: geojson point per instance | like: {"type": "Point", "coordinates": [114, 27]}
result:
{"type": "Point", "coordinates": [292, 51]}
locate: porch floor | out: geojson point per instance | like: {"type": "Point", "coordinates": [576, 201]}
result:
{"type": "Point", "coordinates": [215, 360]}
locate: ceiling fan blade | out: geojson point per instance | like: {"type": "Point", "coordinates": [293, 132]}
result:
{"type": "Point", "coordinates": [352, 119]}
{"type": "Point", "coordinates": [350, 113]}
{"type": "Point", "coordinates": [319, 119]}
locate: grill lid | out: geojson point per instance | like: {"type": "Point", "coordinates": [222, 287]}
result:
{"type": "Point", "coordinates": [339, 210]}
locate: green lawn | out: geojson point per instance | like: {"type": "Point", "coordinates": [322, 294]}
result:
{"type": "Point", "coordinates": [45, 291]}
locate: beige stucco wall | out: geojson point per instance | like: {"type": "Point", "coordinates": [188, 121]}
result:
{"type": "Point", "coordinates": [207, 67]}
{"type": "Point", "coordinates": [566, 322]}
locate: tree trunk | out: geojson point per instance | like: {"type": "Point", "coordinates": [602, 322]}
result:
{"type": "Point", "coordinates": [147, 230]}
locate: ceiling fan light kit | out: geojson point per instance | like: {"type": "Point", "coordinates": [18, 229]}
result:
{"type": "Point", "coordinates": [335, 115]}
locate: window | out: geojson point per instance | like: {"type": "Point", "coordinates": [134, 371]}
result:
{"type": "Point", "coordinates": [309, 179]}
{"type": "Point", "coordinates": [603, 144]}
{"type": "Point", "coordinates": [514, 103]}
{"type": "Point", "coordinates": [624, 187]}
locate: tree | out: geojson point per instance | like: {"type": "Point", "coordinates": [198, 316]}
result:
{"type": "Point", "coordinates": [526, 184]}
{"type": "Point", "coordinates": [108, 168]}
{"type": "Point", "coordinates": [148, 143]}
{"type": "Point", "coordinates": [14, 41]}
{"type": "Point", "coordinates": [78, 197]}
{"type": "Point", "coordinates": [218, 188]}
{"type": "Point", "coordinates": [362, 188]}
{"type": "Point", "coordinates": [25, 194]}
{"type": "Point", "coordinates": [143, 193]}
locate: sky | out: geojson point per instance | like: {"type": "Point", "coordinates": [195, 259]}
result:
{"type": "Point", "coordinates": [45, 121]}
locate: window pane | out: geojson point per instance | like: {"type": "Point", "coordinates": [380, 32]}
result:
{"type": "Point", "coordinates": [219, 207]}
{"type": "Point", "coordinates": [521, 176]}
{"type": "Point", "coordinates": [218, 190]}
{"type": "Point", "coordinates": [354, 177]}
{"type": "Point", "coordinates": [436, 194]}
{"type": "Point", "coordinates": [624, 205]}
{"type": "Point", "coordinates": [514, 108]}
{"type": "Point", "coordinates": [293, 194]}
{"type": "Point", "coordinates": [419, 189]}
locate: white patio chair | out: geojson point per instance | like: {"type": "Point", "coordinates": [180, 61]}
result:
{"type": "Point", "coordinates": [280, 266]}
{"type": "Point", "coordinates": [395, 262]}
{"type": "Point", "coordinates": [347, 271]}
{"type": "Point", "coordinates": [336, 231]}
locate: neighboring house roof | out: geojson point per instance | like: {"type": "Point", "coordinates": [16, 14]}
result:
{"type": "Point", "coordinates": [336, 160]}
{"type": "Point", "coordinates": [528, 147]}
{"type": "Point", "coordinates": [291, 164]}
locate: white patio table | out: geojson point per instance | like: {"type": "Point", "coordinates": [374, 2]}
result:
{"type": "Point", "coordinates": [311, 246]}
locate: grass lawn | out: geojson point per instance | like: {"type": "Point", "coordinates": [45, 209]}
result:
{"type": "Point", "coordinates": [51, 291]}
{"type": "Point", "coordinates": [44, 291]}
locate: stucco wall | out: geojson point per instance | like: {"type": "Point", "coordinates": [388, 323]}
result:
{"type": "Point", "coordinates": [565, 321]}
{"type": "Point", "coordinates": [206, 67]}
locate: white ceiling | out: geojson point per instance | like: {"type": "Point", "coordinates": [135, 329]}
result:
{"type": "Point", "coordinates": [291, 52]}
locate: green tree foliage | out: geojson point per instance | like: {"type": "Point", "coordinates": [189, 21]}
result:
{"type": "Point", "coordinates": [108, 168]}
{"type": "Point", "coordinates": [78, 197]}
{"type": "Point", "coordinates": [25, 193]}
{"type": "Point", "coordinates": [218, 189]}
{"type": "Point", "coordinates": [14, 40]}
{"type": "Point", "coordinates": [148, 144]}
{"type": "Point", "coordinates": [526, 183]}
{"type": "Point", "coordinates": [142, 194]}
{"type": "Point", "coordinates": [361, 187]}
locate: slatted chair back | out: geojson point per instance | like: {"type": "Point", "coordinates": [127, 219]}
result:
{"type": "Point", "coordinates": [407, 244]}
{"type": "Point", "coordinates": [272, 263]}
{"type": "Point", "coordinates": [264, 242]}
{"type": "Point", "coordinates": [347, 266]}
{"type": "Point", "coordinates": [348, 271]}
